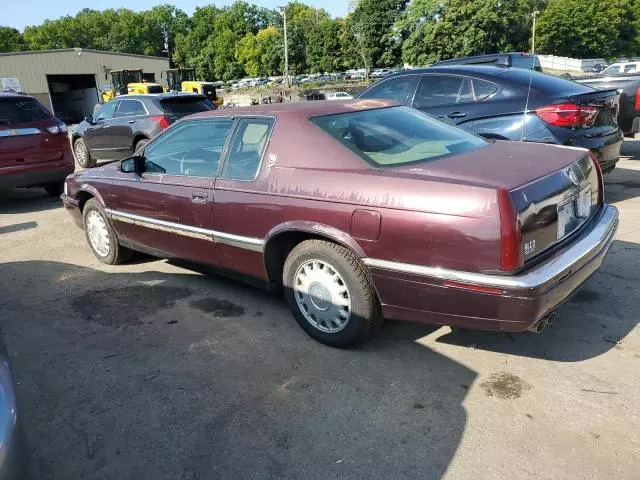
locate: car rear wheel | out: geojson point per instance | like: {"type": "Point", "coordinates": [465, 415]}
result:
{"type": "Point", "coordinates": [82, 154]}
{"type": "Point", "coordinates": [331, 294]}
{"type": "Point", "coordinates": [101, 236]}
{"type": "Point", "coordinates": [55, 189]}
{"type": "Point", "coordinates": [140, 145]}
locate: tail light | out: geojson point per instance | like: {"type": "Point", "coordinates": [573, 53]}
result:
{"type": "Point", "coordinates": [637, 105]}
{"type": "Point", "coordinates": [511, 254]}
{"type": "Point", "coordinates": [161, 120]}
{"type": "Point", "coordinates": [568, 115]}
{"type": "Point", "coordinates": [596, 164]}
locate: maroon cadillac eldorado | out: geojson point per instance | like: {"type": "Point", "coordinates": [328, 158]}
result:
{"type": "Point", "coordinates": [359, 210]}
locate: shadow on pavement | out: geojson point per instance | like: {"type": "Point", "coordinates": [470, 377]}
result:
{"type": "Point", "coordinates": [18, 227]}
{"type": "Point", "coordinates": [621, 184]}
{"type": "Point", "coordinates": [156, 375]}
{"type": "Point", "coordinates": [596, 319]}
{"type": "Point", "coordinates": [24, 200]}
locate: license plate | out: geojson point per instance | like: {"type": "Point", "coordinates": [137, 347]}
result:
{"type": "Point", "coordinates": [573, 212]}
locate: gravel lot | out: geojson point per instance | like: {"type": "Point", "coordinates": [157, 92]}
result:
{"type": "Point", "coordinates": [152, 371]}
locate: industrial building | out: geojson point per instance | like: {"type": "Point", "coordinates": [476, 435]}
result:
{"type": "Point", "coordinates": [68, 81]}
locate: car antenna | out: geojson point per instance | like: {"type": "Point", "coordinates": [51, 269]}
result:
{"type": "Point", "coordinates": [526, 105]}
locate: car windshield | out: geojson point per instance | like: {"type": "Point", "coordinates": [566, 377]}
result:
{"type": "Point", "coordinates": [397, 136]}
{"type": "Point", "coordinates": [21, 110]}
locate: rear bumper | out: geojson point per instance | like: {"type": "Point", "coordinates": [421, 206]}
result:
{"type": "Point", "coordinates": [417, 293]}
{"type": "Point", "coordinates": [37, 173]}
{"type": "Point", "coordinates": [607, 148]}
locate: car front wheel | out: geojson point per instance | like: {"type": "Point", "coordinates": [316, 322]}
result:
{"type": "Point", "coordinates": [331, 294]}
{"type": "Point", "coordinates": [82, 154]}
{"type": "Point", "coordinates": [101, 236]}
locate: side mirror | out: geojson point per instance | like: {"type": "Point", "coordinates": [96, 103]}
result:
{"type": "Point", "coordinates": [89, 119]}
{"type": "Point", "coordinates": [132, 165]}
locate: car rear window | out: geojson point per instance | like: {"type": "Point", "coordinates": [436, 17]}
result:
{"type": "Point", "coordinates": [186, 105]}
{"type": "Point", "coordinates": [546, 83]}
{"type": "Point", "coordinates": [528, 62]}
{"type": "Point", "coordinates": [21, 110]}
{"type": "Point", "coordinates": [397, 136]}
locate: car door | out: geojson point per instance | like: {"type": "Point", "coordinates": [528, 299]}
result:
{"type": "Point", "coordinates": [448, 97]}
{"type": "Point", "coordinates": [168, 208]}
{"type": "Point", "coordinates": [94, 134]}
{"type": "Point", "coordinates": [128, 118]}
{"type": "Point", "coordinates": [239, 198]}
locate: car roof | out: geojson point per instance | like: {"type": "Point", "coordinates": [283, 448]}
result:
{"type": "Point", "coordinates": [142, 96]}
{"type": "Point", "coordinates": [301, 109]}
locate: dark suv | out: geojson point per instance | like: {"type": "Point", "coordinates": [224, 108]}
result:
{"type": "Point", "coordinates": [491, 101]}
{"type": "Point", "coordinates": [125, 124]}
{"type": "Point", "coordinates": [34, 147]}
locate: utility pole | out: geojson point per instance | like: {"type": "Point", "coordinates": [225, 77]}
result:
{"type": "Point", "coordinates": [283, 11]}
{"type": "Point", "coordinates": [533, 40]}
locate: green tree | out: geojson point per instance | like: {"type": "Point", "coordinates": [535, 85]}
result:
{"type": "Point", "coordinates": [418, 28]}
{"type": "Point", "coordinates": [372, 27]}
{"type": "Point", "coordinates": [475, 27]}
{"type": "Point", "coordinates": [323, 47]}
{"type": "Point", "coordinates": [587, 28]}
{"type": "Point", "coordinates": [11, 40]}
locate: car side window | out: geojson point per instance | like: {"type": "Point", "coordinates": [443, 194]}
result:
{"type": "Point", "coordinates": [399, 89]}
{"type": "Point", "coordinates": [630, 68]}
{"type": "Point", "coordinates": [611, 69]}
{"type": "Point", "coordinates": [193, 148]}
{"type": "Point", "coordinates": [483, 90]}
{"type": "Point", "coordinates": [129, 108]}
{"type": "Point", "coordinates": [107, 111]}
{"type": "Point", "coordinates": [435, 90]}
{"type": "Point", "coordinates": [247, 148]}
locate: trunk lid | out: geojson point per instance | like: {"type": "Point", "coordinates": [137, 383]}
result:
{"type": "Point", "coordinates": [554, 189]}
{"type": "Point", "coordinates": [29, 142]}
{"type": "Point", "coordinates": [24, 138]}
{"type": "Point", "coordinates": [605, 101]}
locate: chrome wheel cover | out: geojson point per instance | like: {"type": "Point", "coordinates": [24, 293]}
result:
{"type": "Point", "coordinates": [322, 296]}
{"type": "Point", "coordinates": [81, 152]}
{"type": "Point", "coordinates": [98, 233]}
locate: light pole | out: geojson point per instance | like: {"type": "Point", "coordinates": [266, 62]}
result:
{"type": "Point", "coordinates": [533, 40]}
{"type": "Point", "coordinates": [283, 11]}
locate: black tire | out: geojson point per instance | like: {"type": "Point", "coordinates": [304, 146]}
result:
{"type": "Point", "coordinates": [140, 145]}
{"type": "Point", "coordinates": [116, 253]}
{"type": "Point", "coordinates": [55, 189]}
{"type": "Point", "coordinates": [82, 155]}
{"type": "Point", "coordinates": [365, 313]}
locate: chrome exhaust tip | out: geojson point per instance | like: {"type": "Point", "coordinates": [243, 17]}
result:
{"type": "Point", "coordinates": [539, 326]}
{"type": "Point", "coordinates": [551, 318]}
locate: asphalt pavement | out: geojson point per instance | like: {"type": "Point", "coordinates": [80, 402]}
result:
{"type": "Point", "coordinates": [154, 371]}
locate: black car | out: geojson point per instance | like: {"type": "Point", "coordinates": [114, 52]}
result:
{"type": "Point", "coordinates": [491, 101]}
{"type": "Point", "coordinates": [513, 59]}
{"type": "Point", "coordinates": [125, 124]}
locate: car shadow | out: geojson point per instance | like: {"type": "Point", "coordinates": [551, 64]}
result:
{"type": "Point", "coordinates": [180, 375]}
{"type": "Point", "coordinates": [595, 320]}
{"type": "Point", "coordinates": [18, 227]}
{"type": "Point", "coordinates": [25, 200]}
{"type": "Point", "coordinates": [621, 184]}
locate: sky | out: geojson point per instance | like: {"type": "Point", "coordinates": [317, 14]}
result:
{"type": "Point", "coordinates": [34, 12]}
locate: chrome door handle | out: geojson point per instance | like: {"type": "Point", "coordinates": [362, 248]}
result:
{"type": "Point", "coordinates": [131, 121]}
{"type": "Point", "coordinates": [457, 115]}
{"type": "Point", "coordinates": [196, 198]}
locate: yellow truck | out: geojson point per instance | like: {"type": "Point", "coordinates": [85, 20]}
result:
{"type": "Point", "coordinates": [125, 82]}
{"type": "Point", "coordinates": [183, 80]}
